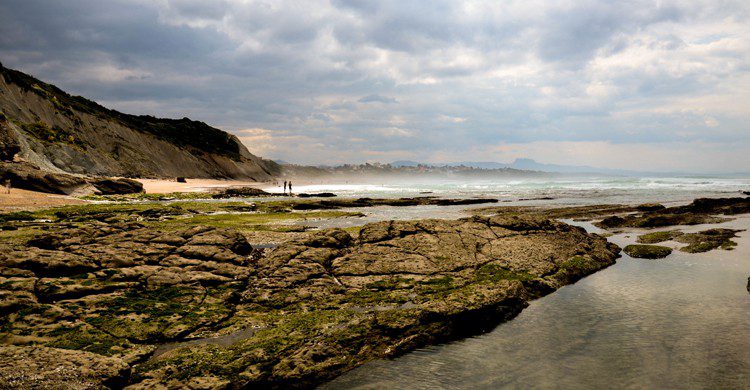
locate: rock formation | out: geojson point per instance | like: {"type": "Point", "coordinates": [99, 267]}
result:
{"type": "Point", "coordinates": [29, 177]}
{"type": "Point", "coordinates": [60, 133]}
{"type": "Point", "coordinates": [700, 211]}
{"type": "Point", "coordinates": [200, 307]}
{"type": "Point", "coordinates": [642, 251]}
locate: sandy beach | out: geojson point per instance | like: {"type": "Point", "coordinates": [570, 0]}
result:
{"type": "Point", "coordinates": [19, 200]}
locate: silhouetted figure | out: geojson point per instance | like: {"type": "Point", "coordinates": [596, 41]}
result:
{"type": "Point", "coordinates": [284, 187]}
{"type": "Point", "coordinates": [290, 188]}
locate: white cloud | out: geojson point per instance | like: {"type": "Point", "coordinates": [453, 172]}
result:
{"type": "Point", "coordinates": [415, 79]}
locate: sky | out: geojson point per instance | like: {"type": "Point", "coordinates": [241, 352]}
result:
{"type": "Point", "coordinates": [645, 85]}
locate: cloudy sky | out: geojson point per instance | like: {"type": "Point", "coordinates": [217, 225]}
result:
{"type": "Point", "coordinates": [624, 84]}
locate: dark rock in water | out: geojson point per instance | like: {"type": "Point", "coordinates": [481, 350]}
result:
{"type": "Point", "coordinates": [707, 240]}
{"type": "Point", "coordinates": [539, 198]}
{"type": "Point", "coordinates": [240, 193]}
{"type": "Point", "coordinates": [400, 202]}
{"type": "Point", "coordinates": [96, 298]}
{"type": "Point", "coordinates": [647, 251]}
{"type": "Point", "coordinates": [460, 202]}
{"type": "Point", "coordinates": [650, 207]}
{"type": "Point", "coordinates": [181, 180]}
{"type": "Point", "coordinates": [700, 211]}
{"type": "Point", "coordinates": [116, 186]}
{"type": "Point", "coordinates": [317, 195]}
{"type": "Point", "coordinates": [610, 222]}
{"type": "Point", "coordinates": [717, 205]}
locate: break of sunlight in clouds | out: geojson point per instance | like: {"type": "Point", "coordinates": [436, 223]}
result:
{"type": "Point", "coordinates": [628, 84]}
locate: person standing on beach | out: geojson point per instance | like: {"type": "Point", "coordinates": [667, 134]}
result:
{"type": "Point", "coordinates": [290, 188]}
{"type": "Point", "coordinates": [284, 187]}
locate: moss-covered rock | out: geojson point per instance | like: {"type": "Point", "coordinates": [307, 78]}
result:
{"type": "Point", "coordinates": [198, 306]}
{"type": "Point", "coordinates": [707, 240]}
{"type": "Point", "coordinates": [657, 237]}
{"type": "Point", "coordinates": [647, 251]}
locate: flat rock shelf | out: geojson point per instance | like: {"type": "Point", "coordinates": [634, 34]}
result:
{"type": "Point", "coordinates": [200, 307]}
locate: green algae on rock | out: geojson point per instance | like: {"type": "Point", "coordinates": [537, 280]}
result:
{"type": "Point", "coordinates": [657, 237]}
{"type": "Point", "coordinates": [707, 240]}
{"type": "Point", "coordinates": [329, 302]}
{"type": "Point", "coordinates": [647, 251]}
{"type": "Point", "coordinates": [309, 310]}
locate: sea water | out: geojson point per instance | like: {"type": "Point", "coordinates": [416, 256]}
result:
{"type": "Point", "coordinates": [682, 322]}
{"type": "Point", "coordinates": [563, 190]}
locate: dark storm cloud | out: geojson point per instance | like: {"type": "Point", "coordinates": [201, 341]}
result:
{"type": "Point", "coordinates": [470, 76]}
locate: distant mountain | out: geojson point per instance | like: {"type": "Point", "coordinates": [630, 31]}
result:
{"type": "Point", "coordinates": [402, 169]}
{"type": "Point", "coordinates": [481, 164]}
{"type": "Point", "coordinates": [45, 126]}
{"type": "Point", "coordinates": [527, 164]}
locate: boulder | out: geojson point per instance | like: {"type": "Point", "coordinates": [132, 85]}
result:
{"type": "Point", "coordinates": [650, 207]}
{"type": "Point", "coordinates": [116, 186]}
{"type": "Point", "coordinates": [240, 192]}
{"type": "Point", "coordinates": [30, 177]}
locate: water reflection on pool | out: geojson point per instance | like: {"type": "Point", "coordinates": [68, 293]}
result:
{"type": "Point", "coordinates": [679, 322]}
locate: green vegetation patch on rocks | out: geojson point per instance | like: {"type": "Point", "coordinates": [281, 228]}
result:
{"type": "Point", "coordinates": [657, 237]}
{"type": "Point", "coordinates": [221, 313]}
{"type": "Point", "coordinates": [647, 251]}
{"type": "Point", "coordinates": [707, 240]}
{"type": "Point", "coordinates": [329, 302]}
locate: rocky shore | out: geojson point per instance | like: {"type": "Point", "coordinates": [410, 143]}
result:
{"type": "Point", "coordinates": [201, 307]}
{"type": "Point", "coordinates": [187, 295]}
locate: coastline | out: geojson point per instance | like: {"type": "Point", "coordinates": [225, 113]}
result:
{"type": "Point", "coordinates": [310, 306]}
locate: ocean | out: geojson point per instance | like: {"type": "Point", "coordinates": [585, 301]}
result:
{"type": "Point", "coordinates": [562, 191]}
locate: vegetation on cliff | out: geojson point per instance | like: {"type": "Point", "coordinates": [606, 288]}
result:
{"type": "Point", "coordinates": [58, 131]}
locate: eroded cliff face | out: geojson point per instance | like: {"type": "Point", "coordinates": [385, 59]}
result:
{"type": "Point", "coordinates": [63, 133]}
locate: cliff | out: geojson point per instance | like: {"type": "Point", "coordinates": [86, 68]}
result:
{"type": "Point", "coordinates": [60, 133]}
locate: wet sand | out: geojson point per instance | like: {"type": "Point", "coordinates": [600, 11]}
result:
{"type": "Point", "coordinates": [19, 200]}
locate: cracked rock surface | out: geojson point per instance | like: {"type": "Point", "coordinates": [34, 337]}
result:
{"type": "Point", "coordinates": [199, 308]}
